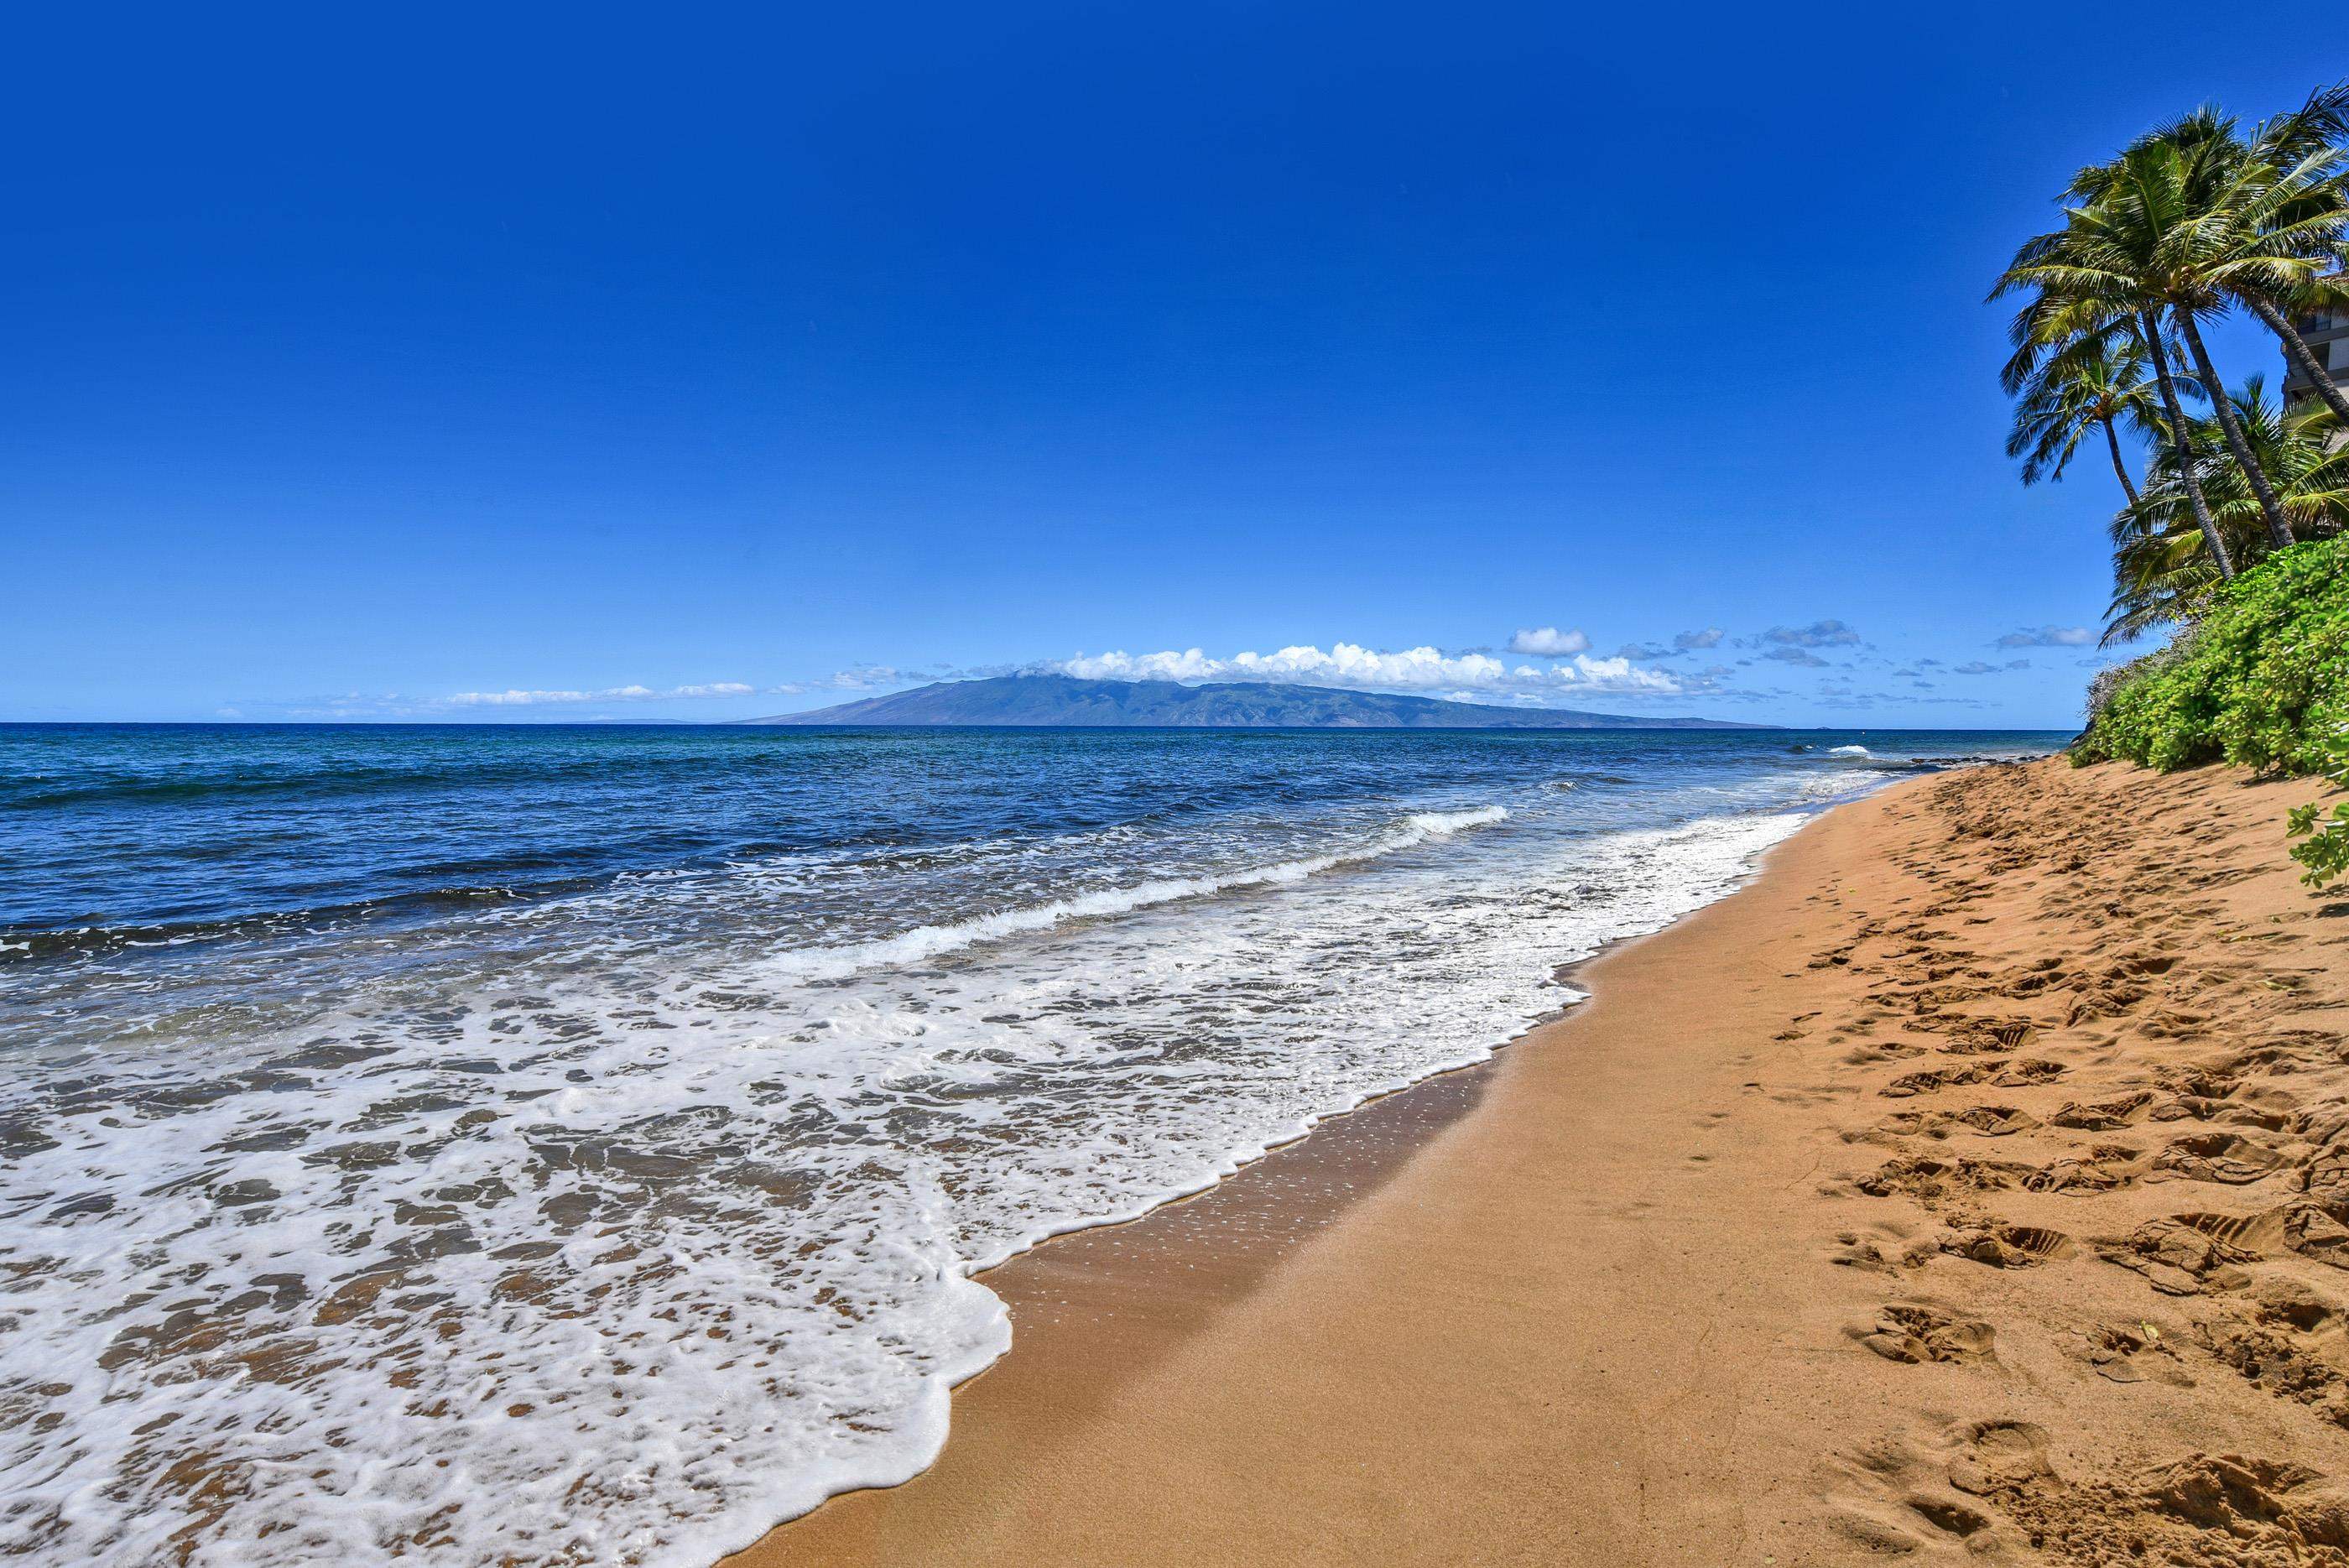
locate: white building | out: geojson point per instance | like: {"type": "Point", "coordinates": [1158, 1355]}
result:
{"type": "Point", "coordinates": [2328, 339]}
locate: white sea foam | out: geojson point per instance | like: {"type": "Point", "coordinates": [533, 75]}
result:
{"type": "Point", "coordinates": [1849, 751]}
{"type": "Point", "coordinates": [925, 942]}
{"type": "Point", "coordinates": [615, 1255]}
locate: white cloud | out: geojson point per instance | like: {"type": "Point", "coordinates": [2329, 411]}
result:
{"type": "Point", "coordinates": [1617, 674]}
{"type": "Point", "coordinates": [2047, 636]}
{"type": "Point", "coordinates": [518, 699]}
{"type": "Point", "coordinates": [1548, 642]}
{"type": "Point", "coordinates": [1347, 664]}
{"type": "Point", "coordinates": [1189, 665]}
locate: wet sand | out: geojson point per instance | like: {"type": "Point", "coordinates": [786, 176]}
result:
{"type": "Point", "coordinates": [1965, 1188]}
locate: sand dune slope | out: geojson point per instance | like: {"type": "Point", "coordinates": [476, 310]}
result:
{"type": "Point", "coordinates": [1974, 1187]}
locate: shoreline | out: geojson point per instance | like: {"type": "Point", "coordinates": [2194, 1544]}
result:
{"type": "Point", "coordinates": [1227, 1233]}
{"type": "Point", "coordinates": [1517, 1304]}
{"type": "Point", "coordinates": [1169, 1270]}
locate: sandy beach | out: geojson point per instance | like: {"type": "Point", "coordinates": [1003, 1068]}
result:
{"type": "Point", "coordinates": [1963, 1187]}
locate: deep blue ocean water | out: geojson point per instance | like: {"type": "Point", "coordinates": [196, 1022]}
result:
{"type": "Point", "coordinates": [573, 1142]}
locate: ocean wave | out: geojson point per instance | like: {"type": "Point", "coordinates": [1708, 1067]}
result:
{"type": "Point", "coordinates": [925, 943]}
{"type": "Point", "coordinates": [34, 942]}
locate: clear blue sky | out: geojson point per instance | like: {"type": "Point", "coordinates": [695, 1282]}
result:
{"type": "Point", "coordinates": [354, 361]}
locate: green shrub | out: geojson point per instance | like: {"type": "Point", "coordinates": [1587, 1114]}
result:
{"type": "Point", "coordinates": [2261, 679]}
{"type": "Point", "coordinates": [2325, 846]}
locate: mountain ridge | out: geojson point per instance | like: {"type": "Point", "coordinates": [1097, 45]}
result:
{"type": "Point", "coordinates": [1055, 701]}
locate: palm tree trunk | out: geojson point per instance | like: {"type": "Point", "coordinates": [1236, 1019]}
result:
{"type": "Point", "coordinates": [2120, 469]}
{"type": "Point", "coordinates": [2296, 349]}
{"type": "Point", "coordinates": [2182, 447]}
{"type": "Point", "coordinates": [2279, 531]}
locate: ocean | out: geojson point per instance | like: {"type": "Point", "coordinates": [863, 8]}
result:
{"type": "Point", "coordinates": [574, 1145]}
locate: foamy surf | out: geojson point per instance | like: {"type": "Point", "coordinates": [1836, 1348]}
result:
{"type": "Point", "coordinates": [927, 942]}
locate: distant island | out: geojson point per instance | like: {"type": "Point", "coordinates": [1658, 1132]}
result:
{"type": "Point", "coordinates": [1046, 701]}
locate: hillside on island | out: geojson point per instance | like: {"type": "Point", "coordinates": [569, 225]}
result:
{"type": "Point", "coordinates": [1045, 700]}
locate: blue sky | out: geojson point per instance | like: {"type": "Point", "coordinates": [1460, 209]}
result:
{"type": "Point", "coordinates": [675, 366]}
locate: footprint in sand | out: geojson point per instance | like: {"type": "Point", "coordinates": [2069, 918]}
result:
{"type": "Point", "coordinates": [2003, 1246]}
{"type": "Point", "coordinates": [2201, 1510]}
{"type": "Point", "coordinates": [2102, 1115]}
{"type": "Point", "coordinates": [1990, 1457]}
{"type": "Point", "coordinates": [2188, 1254]}
{"type": "Point", "coordinates": [1918, 1331]}
{"type": "Point", "coordinates": [2134, 1352]}
{"type": "Point", "coordinates": [2275, 1360]}
{"type": "Point", "coordinates": [1936, 1078]}
{"type": "Point", "coordinates": [1899, 1500]}
{"type": "Point", "coordinates": [2226, 1112]}
{"type": "Point", "coordinates": [1987, 1121]}
{"type": "Point", "coordinates": [1927, 1176]}
{"type": "Point", "coordinates": [1990, 1036]}
{"type": "Point", "coordinates": [2226, 1157]}
{"type": "Point", "coordinates": [2105, 1167]}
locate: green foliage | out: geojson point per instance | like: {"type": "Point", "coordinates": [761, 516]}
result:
{"type": "Point", "coordinates": [2261, 678]}
{"type": "Point", "coordinates": [2162, 571]}
{"type": "Point", "coordinates": [2325, 846]}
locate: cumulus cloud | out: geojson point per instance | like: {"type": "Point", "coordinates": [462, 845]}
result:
{"type": "Point", "coordinates": [1617, 674]}
{"type": "Point", "coordinates": [1792, 655]}
{"type": "Point", "coordinates": [2047, 636]}
{"type": "Point", "coordinates": [519, 699]}
{"type": "Point", "coordinates": [1978, 666]}
{"type": "Point", "coordinates": [1548, 642]}
{"type": "Point", "coordinates": [1818, 634]}
{"type": "Point", "coordinates": [1347, 664]}
{"type": "Point", "coordinates": [1708, 638]}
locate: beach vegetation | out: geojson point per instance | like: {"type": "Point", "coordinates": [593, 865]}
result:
{"type": "Point", "coordinates": [2323, 848]}
{"type": "Point", "coordinates": [2260, 678]}
{"type": "Point", "coordinates": [2162, 574]}
{"type": "Point", "coordinates": [2231, 532]}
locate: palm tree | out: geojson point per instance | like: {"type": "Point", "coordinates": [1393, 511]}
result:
{"type": "Point", "coordinates": [2162, 569]}
{"type": "Point", "coordinates": [2299, 224]}
{"type": "Point", "coordinates": [2285, 189]}
{"type": "Point", "coordinates": [2155, 238]}
{"type": "Point", "coordinates": [2097, 381]}
{"type": "Point", "coordinates": [2076, 294]}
